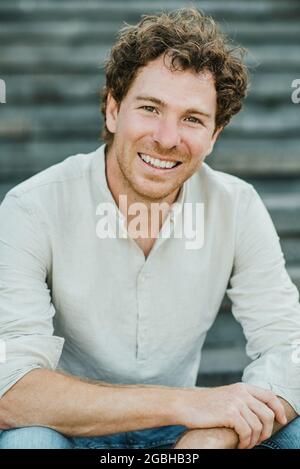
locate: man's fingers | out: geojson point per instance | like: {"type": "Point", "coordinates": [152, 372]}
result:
{"type": "Point", "coordinates": [255, 425]}
{"type": "Point", "coordinates": [265, 415]}
{"type": "Point", "coordinates": [272, 401]}
{"type": "Point", "coordinates": [244, 432]}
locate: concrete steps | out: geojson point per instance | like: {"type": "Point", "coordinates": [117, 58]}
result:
{"type": "Point", "coordinates": [254, 122]}
{"type": "Point", "coordinates": [119, 10]}
{"type": "Point", "coordinates": [65, 88]}
{"type": "Point", "coordinates": [84, 58]}
{"type": "Point", "coordinates": [75, 32]}
{"type": "Point", "coordinates": [243, 157]}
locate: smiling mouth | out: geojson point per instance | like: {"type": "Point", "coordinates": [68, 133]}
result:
{"type": "Point", "coordinates": [157, 163]}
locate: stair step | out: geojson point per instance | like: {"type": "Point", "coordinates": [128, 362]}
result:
{"type": "Point", "coordinates": [218, 379]}
{"type": "Point", "coordinates": [249, 32]}
{"type": "Point", "coordinates": [224, 360]}
{"type": "Point", "coordinates": [83, 58]}
{"type": "Point", "coordinates": [131, 10]}
{"type": "Point", "coordinates": [79, 31]}
{"type": "Point", "coordinates": [59, 88]}
{"type": "Point", "coordinates": [58, 120]}
{"type": "Point", "coordinates": [246, 157]}
{"type": "Point", "coordinates": [225, 333]}
{"type": "Point", "coordinates": [270, 89]}
{"type": "Point", "coordinates": [20, 58]}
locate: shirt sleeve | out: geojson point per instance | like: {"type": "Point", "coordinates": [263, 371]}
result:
{"type": "Point", "coordinates": [266, 303]}
{"type": "Point", "coordinates": [26, 311]}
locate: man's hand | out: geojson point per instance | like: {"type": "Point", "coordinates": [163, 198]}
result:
{"type": "Point", "coordinates": [222, 438]}
{"type": "Point", "coordinates": [289, 412]}
{"type": "Point", "coordinates": [248, 410]}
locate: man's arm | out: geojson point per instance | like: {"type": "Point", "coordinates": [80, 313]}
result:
{"type": "Point", "coordinates": [76, 407]}
{"type": "Point", "coordinates": [266, 303]}
{"type": "Point", "coordinates": [223, 438]}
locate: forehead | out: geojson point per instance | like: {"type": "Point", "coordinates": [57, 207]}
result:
{"type": "Point", "coordinates": [186, 86]}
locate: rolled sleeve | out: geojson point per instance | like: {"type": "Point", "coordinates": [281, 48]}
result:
{"type": "Point", "coordinates": [266, 303]}
{"type": "Point", "coordinates": [26, 310]}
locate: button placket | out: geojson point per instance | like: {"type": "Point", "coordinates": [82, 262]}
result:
{"type": "Point", "coordinates": [142, 305]}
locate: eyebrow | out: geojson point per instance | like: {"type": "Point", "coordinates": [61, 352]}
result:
{"type": "Point", "coordinates": [163, 104]}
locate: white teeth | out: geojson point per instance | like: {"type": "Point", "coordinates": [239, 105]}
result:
{"type": "Point", "coordinates": [157, 163]}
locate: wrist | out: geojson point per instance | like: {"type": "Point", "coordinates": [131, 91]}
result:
{"type": "Point", "coordinates": [180, 407]}
{"type": "Point", "coordinates": [225, 438]}
{"type": "Point", "coordinates": [208, 438]}
{"type": "Point", "coordinates": [161, 406]}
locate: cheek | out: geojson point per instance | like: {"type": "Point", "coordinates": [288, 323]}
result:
{"type": "Point", "coordinates": [194, 139]}
{"type": "Point", "coordinates": [199, 145]}
{"type": "Point", "coordinates": [196, 151]}
{"type": "Point", "coordinates": [134, 128]}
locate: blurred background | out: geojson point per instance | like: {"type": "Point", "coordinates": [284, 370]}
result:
{"type": "Point", "coordinates": [51, 58]}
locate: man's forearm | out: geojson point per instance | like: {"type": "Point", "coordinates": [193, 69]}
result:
{"type": "Point", "coordinates": [76, 407]}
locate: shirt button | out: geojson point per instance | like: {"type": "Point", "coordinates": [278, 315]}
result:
{"type": "Point", "coordinates": [142, 278]}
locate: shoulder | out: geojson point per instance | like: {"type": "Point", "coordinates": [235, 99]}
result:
{"type": "Point", "coordinates": [212, 185]}
{"type": "Point", "coordinates": [57, 191]}
{"type": "Point", "coordinates": [226, 198]}
{"type": "Point", "coordinates": [56, 177]}
{"type": "Point", "coordinates": [223, 181]}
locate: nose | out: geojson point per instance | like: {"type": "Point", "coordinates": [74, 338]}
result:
{"type": "Point", "coordinates": [167, 133]}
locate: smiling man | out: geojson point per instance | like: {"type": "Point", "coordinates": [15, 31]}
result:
{"type": "Point", "coordinates": [103, 332]}
{"type": "Point", "coordinates": [159, 142]}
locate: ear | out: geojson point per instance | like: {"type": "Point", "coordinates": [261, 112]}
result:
{"type": "Point", "coordinates": [111, 113]}
{"type": "Point", "coordinates": [214, 139]}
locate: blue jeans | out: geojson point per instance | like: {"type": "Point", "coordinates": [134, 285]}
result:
{"type": "Point", "coordinates": [159, 438]}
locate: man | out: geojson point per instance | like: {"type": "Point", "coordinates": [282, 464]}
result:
{"type": "Point", "coordinates": [103, 319]}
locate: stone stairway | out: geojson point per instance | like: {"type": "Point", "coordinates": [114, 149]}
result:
{"type": "Point", "coordinates": [51, 58]}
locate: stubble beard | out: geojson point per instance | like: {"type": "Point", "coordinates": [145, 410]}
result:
{"type": "Point", "coordinates": [135, 190]}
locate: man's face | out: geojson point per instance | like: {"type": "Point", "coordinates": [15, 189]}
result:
{"type": "Point", "coordinates": [167, 116]}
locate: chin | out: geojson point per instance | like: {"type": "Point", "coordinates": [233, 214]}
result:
{"type": "Point", "coordinates": [153, 194]}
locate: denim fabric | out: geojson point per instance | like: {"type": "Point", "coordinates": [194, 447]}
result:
{"type": "Point", "coordinates": [159, 438]}
{"type": "Point", "coordinates": [286, 438]}
{"type": "Point", "coordinates": [33, 438]}
{"type": "Point", "coordinates": [41, 437]}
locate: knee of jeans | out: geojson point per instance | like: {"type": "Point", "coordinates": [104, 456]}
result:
{"type": "Point", "coordinates": [33, 438]}
{"type": "Point", "coordinates": [288, 437]}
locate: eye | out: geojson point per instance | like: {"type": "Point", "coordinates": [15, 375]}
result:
{"type": "Point", "coordinates": [148, 108]}
{"type": "Point", "coordinates": [194, 120]}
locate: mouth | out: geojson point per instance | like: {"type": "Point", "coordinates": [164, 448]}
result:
{"type": "Point", "coordinates": [161, 165]}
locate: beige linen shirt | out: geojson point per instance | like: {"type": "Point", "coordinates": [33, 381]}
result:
{"type": "Point", "coordinates": [96, 308]}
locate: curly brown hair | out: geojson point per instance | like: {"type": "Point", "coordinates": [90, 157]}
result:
{"type": "Point", "coordinates": [192, 41]}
